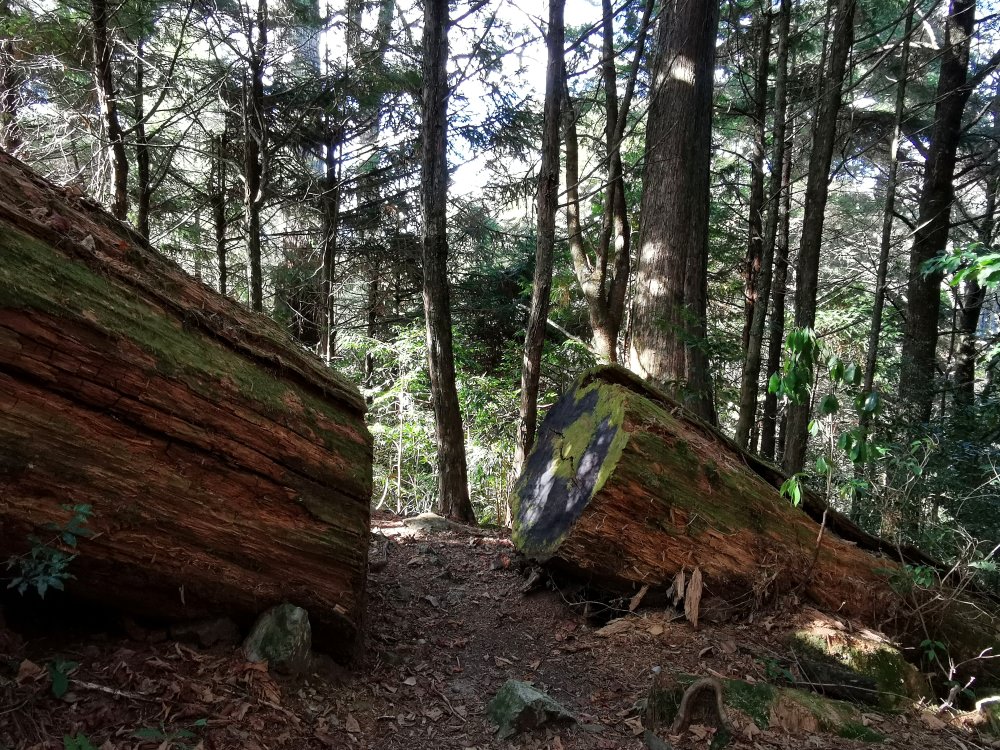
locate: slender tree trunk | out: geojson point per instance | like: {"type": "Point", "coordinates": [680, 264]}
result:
{"type": "Point", "coordinates": [605, 336]}
{"type": "Point", "coordinates": [888, 212]}
{"type": "Point", "coordinates": [331, 224]}
{"type": "Point", "coordinates": [817, 189]}
{"type": "Point", "coordinates": [547, 205]}
{"type": "Point", "coordinates": [749, 384]}
{"type": "Point", "coordinates": [923, 294]}
{"type": "Point", "coordinates": [217, 190]}
{"type": "Point", "coordinates": [144, 188]}
{"type": "Point", "coordinates": [604, 280]}
{"type": "Point", "coordinates": [452, 472]}
{"type": "Point", "coordinates": [669, 310]}
{"type": "Point", "coordinates": [776, 332]}
{"type": "Point", "coordinates": [107, 100]}
{"type": "Point", "coordinates": [973, 295]}
{"type": "Point", "coordinates": [752, 266]}
{"type": "Point", "coordinates": [255, 130]}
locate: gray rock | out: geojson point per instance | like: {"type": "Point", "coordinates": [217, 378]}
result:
{"type": "Point", "coordinates": [653, 742]}
{"type": "Point", "coordinates": [428, 522]}
{"type": "Point", "coordinates": [519, 707]}
{"type": "Point", "coordinates": [282, 637]}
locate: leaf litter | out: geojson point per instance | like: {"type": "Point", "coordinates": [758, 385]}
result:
{"type": "Point", "coordinates": [444, 633]}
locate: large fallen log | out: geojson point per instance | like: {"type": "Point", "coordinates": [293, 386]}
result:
{"type": "Point", "coordinates": [624, 489]}
{"type": "Point", "coordinates": [227, 469]}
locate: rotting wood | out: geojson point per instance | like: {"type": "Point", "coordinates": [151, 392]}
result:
{"type": "Point", "coordinates": [228, 469]}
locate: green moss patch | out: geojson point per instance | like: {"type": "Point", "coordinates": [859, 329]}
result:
{"type": "Point", "coordinates": [35, 276]}
{"type": "Point", "coordinates": [898, 681]}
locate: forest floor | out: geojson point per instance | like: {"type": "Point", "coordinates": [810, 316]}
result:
{"type": "Point", "coordinates": [448, 624]}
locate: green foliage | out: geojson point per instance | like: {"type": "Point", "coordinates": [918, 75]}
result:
{"type": "Point", "coordinates": [792, 489]}
{"type": "Point", "coordinates": [933, 651]}
{"type": "Point", "coordinates": [971, 263]}
{"type": "Point", "coordinates": [79, 741]}
{"type": "Point", "coordinates": [45, 564]}
{"type": "Point", "coordinates": [176, 738]}
{"type": "Point", "coordinates": [59, 672]}
{"type": "Point", "coordinates": [802, 351]}
{"type": "Point", "coordinates": [775, 672]}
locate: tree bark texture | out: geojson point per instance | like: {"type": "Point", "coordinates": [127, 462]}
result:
{"type": "Point", "coordinates": [761, 290]}
{"type": "Point", "coordinates": [108, 103]}
{"type": "Point", "coordinates": [625, 488]}
{"type": "Point", "coordinates": [547, 203]}
{"type": "Point", "coordinates": [973, 295]}
{"type": "Point", "coordinates": [453, 484]}
{"type": "Point", "coordinates": [776, 322]}
{"type": "Point", "coordinates": [923, 291]}
{"type": "Point", "coordinates": [217, 195]}
{"type": "Point", "coordinates": [144, 183]}
{"type": "Point", "coordinates": [817, 189]}
{"type": "Point", "coordinates": [227, 469]}
{"type": "Point", "coordinates": [669, 309]}
{"type": "Point", "coordinates": [755, 209]}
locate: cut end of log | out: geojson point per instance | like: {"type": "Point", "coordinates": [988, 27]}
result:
{"type": "Point", "coordinates": [576, 451]}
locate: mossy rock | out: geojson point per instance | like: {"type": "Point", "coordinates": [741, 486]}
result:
{"type": "Point", "coordinates": [282, 637]}
{"type": "Point", "coordinates": [768, 706]}
{"type": "Point", "coordinates": [897, 681]}
{"type": "Point", "coordinates": [520, 707]}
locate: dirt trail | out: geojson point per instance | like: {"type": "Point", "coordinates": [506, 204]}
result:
{"type": "Point", "coordinates": [447, 626]}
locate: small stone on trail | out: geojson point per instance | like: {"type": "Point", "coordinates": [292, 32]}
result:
{"type": "Point", "coordinates": [282, 637]}
{"type": "Point", "coordinates": [428, 522]}
{"type": "Point", "coordinates": [653, 742]}
{"type": "Point", "coordinates": [519, 707]}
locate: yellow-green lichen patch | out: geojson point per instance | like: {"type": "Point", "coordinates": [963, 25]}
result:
{"type": "Point", "coordinates": [577, 449]}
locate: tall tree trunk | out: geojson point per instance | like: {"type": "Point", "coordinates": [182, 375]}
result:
{"type": "Point", "coordinates": [888, 213]}
{"type": "Point", "coordinates": [762, 289]}
{"type": "Point", "coordinates": [817, 189]}
{"type": "Point", "coordinates": [107, 100]}
{"type": "Point", "coordinates": [144, 188]}
{"type": "Point", "coordinates": [923, 294]}
{"type": "Point", "coordinates": [669, 311]}
{"type": "Point", "coordinates": [217, 192]}
{"type": "Point", "coordinates": [452, 472]}
{"type": "Point", "coordinates": [547, 203]}
{"type": "Point", "coordinates": [973, 295]}
{"type": "Point", "coordinates": [255, 164]}
{"type": "Point", "coordinates": [776, 332]}
{"type": "Point", "coordinates": [755, 210]}
{"type": "Point", "coordinates": [331, 223]}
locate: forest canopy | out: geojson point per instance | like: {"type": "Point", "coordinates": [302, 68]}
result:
{"type": "Point", "coordinates": [782, 213]}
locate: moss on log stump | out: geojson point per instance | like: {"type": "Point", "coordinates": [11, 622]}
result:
{"type": "Point", "coordinates": [625, 489]}
{"type": "Point", "coordinates": [228, 470]}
